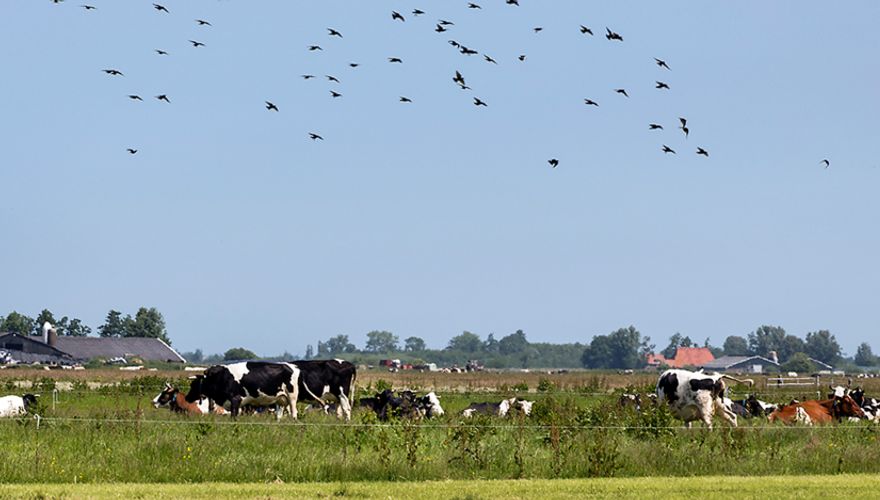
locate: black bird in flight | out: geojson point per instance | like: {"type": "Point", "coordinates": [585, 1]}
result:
{"type": "Point", "coordinates": [661, 63]}
{"type": "Point", "coordinates": [196, 44]}
{"type": "Point", "coordinates": [163, 97]}
{"type": "Point", "coordinates": [271, 107]}
{"type": "Point", "coordinates": [590, 102]}
{"type": "Point", "coordinates": [553, 162]}
{"type": "Point", "coordinates": [202, 22]}
{"type": "Point", "coordinates": [654, 126]}
{"type": "Point", "coordinates": [134, 97]}
{"type": "Point", "coordinates": [474, 6]}
{"type": "Point", "coordinates": [468, 52]}
{"type": "Point", "coordinates": [88, 7]}
{"type": "Point", "coordinates": [522, 57]}
{"type": "Point", "coordinates": [489, 59]}
{"type": "Point", "coordinates": [313, 48]}
{"type": "Point", "coordinates": [455, 44]}
{"type": "Point", "coordinates": [586, 31]}
{"type": "Point", "coordinates": [56, 2]}
{"type": "Point", "coordinates": [440, 29]}
{"type": "Point", "coordinates": [513, 2]}
{"type": "Point", "coordinates": [826, 163]}
{"type": "Point", "coordinates": [701, 151]}
{"type": "Point", "coordinates": [667, 149]}
{"type": "Point", "coordinates": [396, 15]}
{"type": "Point", "coordinates": [684, 127]}
{"type": "Point", "coordinates": [308, 77]}
{"type": "Point", "coordinates": [395, 60]}
{"type": "Point", "coordinates": [333, 93]}
{"type": "Point", "coordinates": [313, 136]}
{"type": "Point", "coordinates": [131, 151]}
{"type": "Point", "coordinates": [537, 29]}
{"type": "Point", "coordinates": [458, 78]}
{"type": "Point", "coordinates": [333, 32]}
{"type": "Point", "coordinates": [354, 65]}
{"type": "Point", "coordinates": [478, 102]}
{"type": "Point", "coordinates": [405, 99]}
{"type": "Point", "coordinates": [612, 35]}
{"type": "Point", "coordinates": [621, 91]}
{"type": "Point", "coordinates": [161, 52]}
{"type": "Point", "coordinates": [683, 121]}
{"type": "Point", "coordinates": [444, 22]}
{"type": "Point", "coordinates": [417, 12]}
{"type": "Point", "coordinates": [160, 8]}
{"type": "Point", "coordinates": [332, 78]}
{"type": "Point", "coordinates": [661, 85]}
{"type": "Point", "coordinates": [114, 72]}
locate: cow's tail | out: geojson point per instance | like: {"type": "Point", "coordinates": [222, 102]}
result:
{"type": "Point", "coordinates": [746, 381]}
{"type": "Point", "coordinates": [353, 385]}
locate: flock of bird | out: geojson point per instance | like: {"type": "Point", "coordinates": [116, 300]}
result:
{"type": "Point", "coordinates": [441, 26]}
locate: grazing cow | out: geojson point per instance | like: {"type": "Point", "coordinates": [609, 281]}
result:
{"type": "Point", "coordinates": [696, 395]}
{"type": "Point", "coordinates": [13, 406]}
{"type": "Point", "coordinates": [819, 412]}
{"type": "Point", "coordinates": [255, 383]}
{"type": "Point", "coordinates": [320, 380]}
{"type": "Point", "coordinates": [174, 400]}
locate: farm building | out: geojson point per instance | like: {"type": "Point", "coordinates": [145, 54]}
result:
{"type": "Point", "coordinates": [742, 364]}
{"type": "Point", "coordinates": [684, 356]}
{"type": "Point", "coordinates": [54, 350]}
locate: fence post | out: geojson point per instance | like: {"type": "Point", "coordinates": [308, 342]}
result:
{"type": "Point", "coordinates": [54, 398]}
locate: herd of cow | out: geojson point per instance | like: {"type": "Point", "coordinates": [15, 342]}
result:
{"type": "Point", "coordinates": [328, 386]}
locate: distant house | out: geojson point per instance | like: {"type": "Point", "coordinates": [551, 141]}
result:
{"type": "Point", "coordinates": [52, 350]}
{"type": "Point", "coordinates": [741, 364]}
{"type": "Point", "coordinates": [684, 356]}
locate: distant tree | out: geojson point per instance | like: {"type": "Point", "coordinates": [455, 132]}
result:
{"type": "Point", "coordinates": [44, 316]}
{"type": "Point", "coordinates": [466, 342]}
{"type": "Point", "coordinates": [114, 325]}
{"type": "Point", "coordinates": [17, 323]}
{"type": "Point", "coordinates": [624, 348]}
{"type": "Point", "coordinates": [864, 355]}
{"type": "Point", "coordinates": [798, 362]}
{"type": "Point", "coordinates": [823, 346]}
{"type": "Point", "coordinates": [766, 339]}
{"type": "Point", "coordinates": [381, 341]}
{"type": "Point", "coordinates": [414, 344]}
{"type": "Point", "coordinates": [514, 343]}
{"type": "Point", "coordinates": [310, 352]}
{"type": "Point", "coordinates": [335, 346]}
{"type": "Point", "coordinates": [193, 357]}
{"type": "Point", "coordinates": [147, 323]}
{"type": "Point", "coordinates": [75, 328]}
{"type": "Point", "coordinates": [238, 353]}
{"type": "Point", "coordinates": [789, 347]}
{"type": "Point", "coordinates": [734, 345]}
{"type": "Point", "coordinates": [676, 341]}
{"type": "Point", "coordinates": [491, 344]}
{"type": "Point", "coordinates": [717, 352]}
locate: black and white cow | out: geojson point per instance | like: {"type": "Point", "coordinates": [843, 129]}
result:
{"type": "Point", "coordinates": [696, 395]}
{"type": "Point", "coordinates": [503, 408]}
{"type": "Point", "coordinates": [320, 380]}
{"type": "Point", "coordinates": [13, 406]}
{"type": "Point", "coordinates": [255, 383]}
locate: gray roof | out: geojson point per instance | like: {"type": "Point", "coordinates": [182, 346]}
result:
{"type": "Point", "coordinates": [725, 362]}
{"type": "Point", "coordinates": [11, 356]}
{"type": "Point", "coordinates": [147, 349]}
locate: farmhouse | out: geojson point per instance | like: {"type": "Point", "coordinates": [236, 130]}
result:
{"type": "Point", "coordinates": [54, 350]}
{"type": "Point", "coordinates": [741, 364]}
{"type": "Point", "coordinates": [684, 356]}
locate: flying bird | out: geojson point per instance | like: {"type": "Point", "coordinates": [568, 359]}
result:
{"type": "Point", "coordinates": [332, 78]}
{"type": "Point", "coordinates": [196, 44]}
{"type": "Point", "coordinates": [271, 107]}
{"type": "Point", "coordinates": [88, 7]}
{"type": "Point", "coordinates": [826, 163]}
{"type": "Point", "coordinates": [458, 78]}
{"type": "Point", "coordinates": [354, 65]}
{"type": "Point", "coordinates": [308, 77]}
{"type": "Point", "coordinates": [114, 72]}
{"type": "Point", "coordinates": [160, 8]}
{"type": "Point", "coordinates": [661, 63]}
{"type": "Point", "coordinates": [333, 32]}
{"type": "Point", "coordinates": [522, 57]}
{"type": "Point", "coordinates": [553, 162]}
{"type": "Point", "coordinates": [474, 6]}
{"type": "Point", "coordinates": [654, 126]}
{"type": "Point", "coordinates": [478, 102]}
{"type": "Point", "coordinates": [683, 121]}
{"type": "Point", "coordinates": [612, 35]}
{"type": "Point", "coordinates": [202, 22]}
{"type": "Point", "coordinates": [701, 151]}
{"type": "Point", "coordinates": [313, 136]}
{"type": "Point", "coordinates": [333, 93]}
{"type": "Point", "coordinates": [586, 31]}
{"type": "Point", "coordinates": [454, 44]}
{"type": "Point", "coordinates": [513, 2]}
{"type": "Point", "coordinates": [444, 22]}
{"type": "Point", "coordinates": [686, 131]}
{"type": "Point", "coordinates": [440, 29]}
{"type": "Point", "coordinates": [163, 97]}
{"type": "Point", "coordinates": [621, 91]}
{"type": "Point", "coordinates": [661, 85]}
{"type": "Point", "coordinates": [590, 102]}
{"type": "Point", "coordinates": [134, 97]}
{"type": "Point", "coordinates": [537, 29]}
{"type": "Point", "coordinates": [417, 12]}
{"type": "Point", "coordinates": [161, 52]}
{"type": "Point", "coordinates": [468, 52]}
{"type": "Point", "coordinates": [395, 60]}
{"type": "Point", "coordinates": [131, 151]}
{"type": "Point", "coordinates": [405, 99]}
{"type": "Point", "coordinates": [396, 15]}
{"type": "Point", "coordinates": [667, 149]}
{"type": "Point", "coordinates": [313, 48]}
{"type": "Point", "coordinates": [489, 59]}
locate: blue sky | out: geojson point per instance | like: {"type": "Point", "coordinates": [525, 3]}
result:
{"type": "Point", "coordinates": [435, 217]}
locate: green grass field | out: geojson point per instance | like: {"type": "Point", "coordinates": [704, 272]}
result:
{"type": "Point", "coordinates": [776, 487]}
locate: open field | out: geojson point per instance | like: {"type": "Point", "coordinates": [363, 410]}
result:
{"type": "Point", "coordinates": [112, 434]}
{"type": "Point", "coordinates": [777, 487]}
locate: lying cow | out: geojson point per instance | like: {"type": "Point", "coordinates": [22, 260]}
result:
{"type": "Point", "coordinates": [696, 395]}
{"type": "Point", "coordinates": [174, 400]}
{"type": "Point", "coordinates": [13, 406]}
{"type": "Point", "coordinates": [819, 412]}
{"type": "Point", "coordinates": [406, 405]}
{"type": "Point", "coordinates": [503, 408]}
{"type": "Point", "coordinates": [255, 383]}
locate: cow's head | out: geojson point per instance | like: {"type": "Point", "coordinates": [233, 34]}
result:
{"type": "Point", "coordinates": [846, 407]}
{"type": "Point", "coordinates": [165, 397]}
{"type": "Point", "coordinates": [29, 400]}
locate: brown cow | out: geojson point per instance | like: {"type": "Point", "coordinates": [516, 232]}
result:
{"type": "Point", "coordinates": [819, 412]}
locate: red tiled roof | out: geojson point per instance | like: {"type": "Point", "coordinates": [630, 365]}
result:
{"type": "Point", "coordinates": [684, 356]}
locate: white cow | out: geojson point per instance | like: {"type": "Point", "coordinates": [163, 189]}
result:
{"type": "Point", "coordinates": [13, 406]}
{"type": "Point", "coordinates": [696, 395]}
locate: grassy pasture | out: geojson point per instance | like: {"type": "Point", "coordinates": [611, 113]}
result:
{"type": "Point", "coordinates": [111, 434]}
{"type": "Point", "coordinates": [777, 487]}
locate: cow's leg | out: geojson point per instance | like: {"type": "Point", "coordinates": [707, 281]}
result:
{"type": "Point", "coordinates": [234, 405]}
{"type": "Point", "coordinates": [725, 412]}
{"type": "Point", "coordinates": [344, 405]}
{"type": "Point", "coordinates": [279, 410]}
{"type": "Point", "coordinates": [292, 396]}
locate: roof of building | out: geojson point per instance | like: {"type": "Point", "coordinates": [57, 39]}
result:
{"type": "Point", "coordinates": [684, 356]}
{"type": "Point", "coordinates": [147, 349]}
{"type": "Point", "coordinates": [726, 362]}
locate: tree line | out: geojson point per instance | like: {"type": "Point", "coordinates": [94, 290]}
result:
{"type": "Point", "coordinates": [147, 322]}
